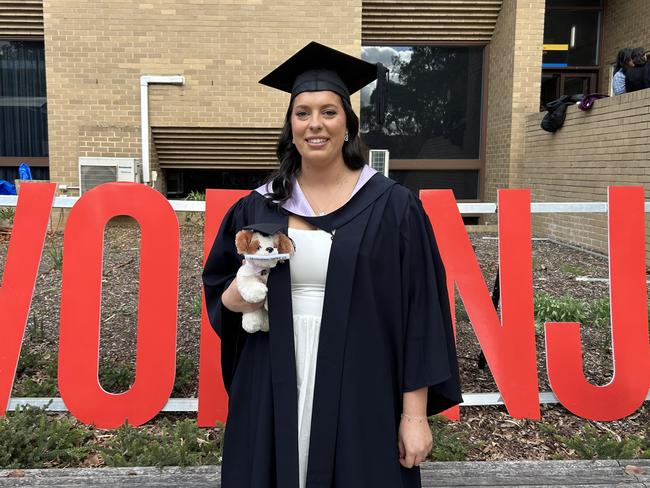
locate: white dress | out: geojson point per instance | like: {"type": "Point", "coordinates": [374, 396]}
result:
{"type": "Point", "coordinates": [308, 272]}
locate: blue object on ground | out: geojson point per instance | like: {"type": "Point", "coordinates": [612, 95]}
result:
{"type": "Point", "coordinates": [24, 173]}
{"type": "Point", "coordinates": [7, 188]}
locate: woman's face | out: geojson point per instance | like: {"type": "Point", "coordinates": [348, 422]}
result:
{"type": "Point", "coordinates": [318, 126]}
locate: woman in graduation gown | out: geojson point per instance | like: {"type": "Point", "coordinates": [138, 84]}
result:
{"type": "Point", "coordinates": [343, 404]}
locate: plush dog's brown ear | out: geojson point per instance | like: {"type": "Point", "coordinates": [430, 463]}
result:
{"type": "Point", "coordinates": [285, 245]}
{"type": "Point", "coordinates": [243, 241]}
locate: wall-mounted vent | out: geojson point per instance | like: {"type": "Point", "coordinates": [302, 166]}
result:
{"type": "Point", "coordinates": [21, 18]}
{"type": "Point", "coordinates": [378, 160]}
{"type": "Point", "coordinates": [385, 21]}
{"type": "Point", "coordinates": [216, 147]}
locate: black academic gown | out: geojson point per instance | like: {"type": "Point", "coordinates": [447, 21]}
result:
{"type": "Point", "coordinates": [385, 329]}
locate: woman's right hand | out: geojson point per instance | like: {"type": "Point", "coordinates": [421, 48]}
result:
{"type": "Point", "coordinates": [233, 301]}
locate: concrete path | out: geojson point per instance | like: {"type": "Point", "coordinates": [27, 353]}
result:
{"type": "Point", "coordinates": [528, 474]}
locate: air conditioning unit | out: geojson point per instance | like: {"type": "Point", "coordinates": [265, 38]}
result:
{"type": "Point", "coordinates": [379, 160]}
{"type": "Point", "coordinates": [95, 171]}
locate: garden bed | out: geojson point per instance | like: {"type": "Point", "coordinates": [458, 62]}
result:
{"type": "Point", "coordinates": [484, 433]}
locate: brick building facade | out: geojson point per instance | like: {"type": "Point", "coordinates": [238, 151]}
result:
{"type": "Point", "coordinates": [222, 122]}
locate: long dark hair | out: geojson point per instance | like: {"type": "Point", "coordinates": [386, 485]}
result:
{"type": "Point", "coordinates": [624, 55]}
{"type": "Point", "coordinates": [281, 180]}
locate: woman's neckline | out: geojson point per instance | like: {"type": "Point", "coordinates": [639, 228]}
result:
{"type": "Point", "coordinates": [297, 204]}
{"type": "Point", "coordinates": [306, 230]}
{"type": "Point", "coordinates": [355, 188]}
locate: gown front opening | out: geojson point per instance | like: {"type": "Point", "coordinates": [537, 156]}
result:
{"type": "Point", "coordinates": [308, 272]}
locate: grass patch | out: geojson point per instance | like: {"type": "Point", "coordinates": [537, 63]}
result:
{"type": "Point", "coordinates": [448, 445]}
{"type": "Point", "coordinates": [573, 269]}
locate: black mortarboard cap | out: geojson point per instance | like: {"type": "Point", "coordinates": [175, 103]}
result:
{"type": "Point", "coordinates": [317, 67]}
{"type": "Point", "coordinates": [265, 229]}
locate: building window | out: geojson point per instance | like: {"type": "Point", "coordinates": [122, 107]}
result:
{"type": "Point", "coordinates": [570, 61]}
{"type": "Point", "coordinates": [23, 103]}
{"type": "Point", "coordinates": [181, 181]}
{"type": "Point", "coordinates": [434, 109]}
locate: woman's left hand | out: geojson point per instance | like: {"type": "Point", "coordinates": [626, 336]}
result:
{"type": "Point", "coordinates": [415, 442]}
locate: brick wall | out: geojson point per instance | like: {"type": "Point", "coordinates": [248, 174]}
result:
{"type": "Point", "coordinates": [605, 146]}
{"type": "Point", "coordinates": [96, 53]}
{"type": "Point", "coordinates": [513, 89]}
{"type": "Point", "coordinates": [626, 23]}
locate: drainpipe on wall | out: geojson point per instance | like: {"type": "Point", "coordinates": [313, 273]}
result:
{"type": "Point", "coordinates": [145, 81]}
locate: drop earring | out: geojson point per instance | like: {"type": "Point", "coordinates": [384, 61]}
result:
{"type": "Point", "coordinates": [347, 136]}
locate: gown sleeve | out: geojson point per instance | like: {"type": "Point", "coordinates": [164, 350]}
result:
{"type": "Point", "coordinates": [429, 345]}
{"type": "Point", "coordinates": [219, 270]}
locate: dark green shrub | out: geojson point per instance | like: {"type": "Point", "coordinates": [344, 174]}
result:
{"type": "Point", "coordinates": [181, 443]}
{"type": "Point", "coordinates": [591, 443]}
{"type": "Point", "coordinates": [186, 376]}
{"type": "Point", "coordinates": [29, 438]}
{"type": "Point", "coordinates": [447, 444]}
{"type": "Point", "coordinates": [116, 377]}
{"type": "Point", "coordinates": [36, 375]}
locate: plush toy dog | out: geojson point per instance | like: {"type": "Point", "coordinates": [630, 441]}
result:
{"type": "Point", "coordinates": [263, 246]}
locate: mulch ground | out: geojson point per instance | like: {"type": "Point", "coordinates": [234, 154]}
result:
{"type": "Point", "coordinates": [490, 432]}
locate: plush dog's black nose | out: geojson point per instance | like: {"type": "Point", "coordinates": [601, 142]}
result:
{"type": "Point", "coordinates": [269, 250]}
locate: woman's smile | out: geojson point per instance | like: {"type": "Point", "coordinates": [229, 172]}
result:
{"type": "Point", "coordinates": [316, 142]}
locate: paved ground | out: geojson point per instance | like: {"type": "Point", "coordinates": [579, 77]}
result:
{"type": "Point", "coordinates": [525, 474]}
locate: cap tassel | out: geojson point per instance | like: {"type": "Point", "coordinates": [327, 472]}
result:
{"type": "Point", "coordinates": [381, 93]}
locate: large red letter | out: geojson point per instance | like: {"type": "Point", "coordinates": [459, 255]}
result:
{"type": "Point", "coordinates": [81, 299]}
{"type": "Point", "coordinates": [213, 401]}
{"type": "Point", "coordinates": [21, 266]}
{"type": "Point", "coordinates": [509, 344]}
{"type": "Point", "coordinates": [629, 311]}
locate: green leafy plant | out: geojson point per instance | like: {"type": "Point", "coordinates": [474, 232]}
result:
{"type": "Point", "coordinates": [56, 256]}
{"type": "Point", "coordinates": [180, 443]}
{"type": "Point", "coordinates": [195, 217]}
{"type": "Point", "coordinates": [559, 309]}
{"type": "Point", "coordinates": [447, 444]}
{"type": "Point", "coordinates": [599, 314]}
{"type": "Point", "coordinates": [197, 196]}
{"type": "Point", "coordinates": [29, 438]}
{"type": "Point", "coordinates": [7, 214]}
{"type": "Point", "coordinates": [197, 305]}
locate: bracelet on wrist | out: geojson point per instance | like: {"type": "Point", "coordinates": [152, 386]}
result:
{"type": "Point", "coordinates": [414, 418]}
